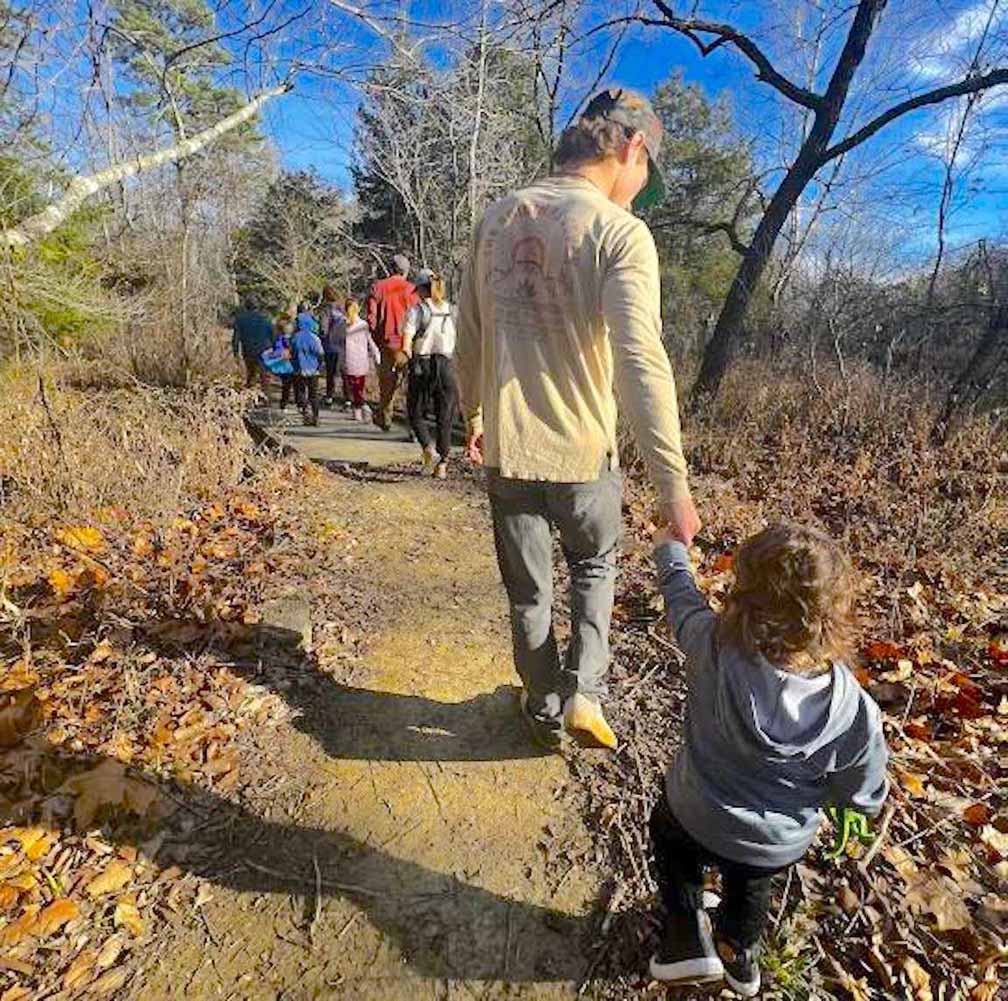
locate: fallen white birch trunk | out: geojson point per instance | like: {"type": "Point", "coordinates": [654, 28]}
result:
{"type": "Point", "coordinates": [81, 188]}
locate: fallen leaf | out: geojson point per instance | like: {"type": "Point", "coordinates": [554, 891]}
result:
{"type": "Point", "coordinates": [912, 783]}
{"type": "Point", "coordinates": [882, 650]}
{"type": "Point", "coordinates": [990, 835]}
{"type": "Point", "coordinates": [128, 916]}
{"type": "Point", "coordinates": [20, 713]}
{"type": "Point", "coordinates": [109, 952]}
{"type": "Point", "coordinates": [937, 895]}
{"type": "Point", "coordinates": [79, 970]}
{"type": "Point", "coordinates": [849, 900]}
{"type": "Point", "coordinates": [993, 911]}
{"type": "Point", "coordinates": [109, 983]}
{"type": "Point", "coordinates": [82, 538]}
{"type": "Point", "coordinates": [60, 581]}
{"type": "Point", "coordinates": [107, 785]}
{"type": "Point", "coordinates": [53, 917]}
{"type": "Point", "coordinates": [918, 978]}
{"type": "Point", "coordinates": [115, 877]}
{"type": "Point", "coordinates": [977, 815]}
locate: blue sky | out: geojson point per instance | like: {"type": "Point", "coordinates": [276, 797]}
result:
{"type": "Point", "coordinates": [920, 44]}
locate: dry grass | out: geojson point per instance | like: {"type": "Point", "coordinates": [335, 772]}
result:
{"type": "Point", "coordinates": [66, 453]}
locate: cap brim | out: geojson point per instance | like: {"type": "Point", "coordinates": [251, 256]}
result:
{"type": "Point", "coordinates": [654, 191]}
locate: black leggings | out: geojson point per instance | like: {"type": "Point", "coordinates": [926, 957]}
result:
{"type": "Point", "coordinates": [679, 865]}
{"type": "Point", "coordinates": [432, 381]}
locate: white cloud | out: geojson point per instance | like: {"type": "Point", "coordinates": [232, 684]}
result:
{"type": "Point", "coordinates": [950, 49]}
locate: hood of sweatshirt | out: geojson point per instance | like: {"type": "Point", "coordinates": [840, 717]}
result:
{"type": "Point", "coordinates": [783, 716]}
{"type": "Point", "coordinates": [305, 323]}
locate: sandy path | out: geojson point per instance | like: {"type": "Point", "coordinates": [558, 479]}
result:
{"type": "Point", "coordinates": [414, 800]}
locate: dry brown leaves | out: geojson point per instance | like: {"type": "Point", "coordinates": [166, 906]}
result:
{"type": "Point", "coordinates": [109, 685]}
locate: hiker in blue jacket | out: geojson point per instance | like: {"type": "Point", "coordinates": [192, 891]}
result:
{"type": "Point", "coordinates": [309, 359]}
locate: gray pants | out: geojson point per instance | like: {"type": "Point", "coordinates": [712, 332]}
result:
{"type": "Point", "coordinates": [588, 518]}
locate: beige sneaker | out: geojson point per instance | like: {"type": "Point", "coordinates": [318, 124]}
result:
{"type": "Point", "coordinates": [584, 721]}
{"type": "Point", "coordinates": [429, 457]}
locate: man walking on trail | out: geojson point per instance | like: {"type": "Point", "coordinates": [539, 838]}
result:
{"type": "Point", "coordinates": [253, 334]}
{"type": "Point", "coordinates": [387, 304]}
{"type": "Point", "coordinates": [561, 295]}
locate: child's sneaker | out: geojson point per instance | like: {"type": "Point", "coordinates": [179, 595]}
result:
{"type": "Point", "coordinates": [741, 966]}
{"type": "Point", "coordinates": [358, 414]}
{"type": "Point", "coordinates": [442, 471]}
{"type": "Point", "coordinates": [686, 954]}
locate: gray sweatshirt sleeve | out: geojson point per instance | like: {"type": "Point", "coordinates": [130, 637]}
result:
{"type": "Point", "coordinates": [862, 782]}
{"type": "Point", "coordinates": [686, 609]}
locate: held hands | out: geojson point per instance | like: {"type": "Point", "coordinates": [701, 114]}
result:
{"type": "Point", "coordinates": [474, 449]}
{"type": "Point", "coordinates": [678, 521]}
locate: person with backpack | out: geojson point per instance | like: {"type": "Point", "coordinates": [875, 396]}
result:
{"type": "Point", "coordinates": [429, 339]}
{"type": "Point", "coordinates": [387, 304]}
{"type": "Point", "coordinates": [334, 324]}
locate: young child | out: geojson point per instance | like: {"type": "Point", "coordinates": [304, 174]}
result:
{"type": "Point", "coordinates": [309, 359]}
{"type": "Point", "coordinates": [282, 347]}
{"type": "Point", "coordinates": [776, 727]}
{"type": "Point", "coordinates": [360, 353]}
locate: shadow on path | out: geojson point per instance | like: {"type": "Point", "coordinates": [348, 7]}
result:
{"type": "Point", "coordinates": [444, 927]}
{"type": "Point", "coordinates": [357, 723]}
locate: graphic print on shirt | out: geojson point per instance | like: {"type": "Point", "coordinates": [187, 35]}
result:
{"type": "Point", "coordinates": [527, 274]}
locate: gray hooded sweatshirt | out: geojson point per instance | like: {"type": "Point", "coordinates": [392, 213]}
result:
{"type": "Point", "coordinates": [762, 748]}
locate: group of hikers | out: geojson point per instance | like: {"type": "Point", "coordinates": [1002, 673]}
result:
{"type": "Point", "coordinates": [559, 310]}
{"type": "Point", "coordinates": [407, 333]}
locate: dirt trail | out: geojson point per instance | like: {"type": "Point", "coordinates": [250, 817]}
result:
{"type": "Point", "coordinates": [414, 800]}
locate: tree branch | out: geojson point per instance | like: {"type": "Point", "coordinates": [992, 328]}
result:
{"type": "Point", "coordinates": [706, 229]}
{"type": "Point", "coordinates": [692, 28]}
{"type": "Point", "coordinates": [82, 187]}
{"type": "Point", "coordinates": [970, 85]}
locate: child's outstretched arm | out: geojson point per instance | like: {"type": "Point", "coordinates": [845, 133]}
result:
{"type": "Point", "coordinates": [686, 609]}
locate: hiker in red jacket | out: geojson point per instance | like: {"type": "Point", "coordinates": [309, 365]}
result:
{"type": "Point", "coordinates": [387, 304]}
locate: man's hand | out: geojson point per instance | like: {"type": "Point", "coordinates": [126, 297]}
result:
{"type": "Point", "coordinates": [678, 521]}
{"type": "Point", "coordinates": [474, 449]}
{"type": "Point", "coordinates": [401, 359]}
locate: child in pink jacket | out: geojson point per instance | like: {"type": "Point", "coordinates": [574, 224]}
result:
{"type": "Point", "coordinates": [361, 355]}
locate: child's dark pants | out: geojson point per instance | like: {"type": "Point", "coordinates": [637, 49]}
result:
{"type": "Point", "coordinates": [679, 865]}
{"type": "Point", "coordinates": [306, 394]}
{"type": "Point", "coordinates": [286, 385]}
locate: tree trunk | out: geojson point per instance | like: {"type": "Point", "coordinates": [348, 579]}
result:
{"type": "Point", "coordinates": [812, 155]}
{"type": "Point", "coordinates": [731, 321]}
{"type": "Point", "coordinates": [979, 374]}
{"type": "Point", "coordinates": [81, 188]}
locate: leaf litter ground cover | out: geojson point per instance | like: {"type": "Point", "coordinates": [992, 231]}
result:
{"type": "Point", "coordinates": [114, 638]}
{"type": "Point", "coordinates": [115, 692]}
{"type": "Point", "coordinates": [922, 914]}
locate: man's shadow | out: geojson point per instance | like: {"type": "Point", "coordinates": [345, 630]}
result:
{"type": "Point", "coordinates": [444, 927]}
{"type": "Point", "coordinates": [357, 723]}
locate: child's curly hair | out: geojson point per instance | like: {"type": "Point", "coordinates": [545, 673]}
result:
{"type": "Point", "coordinates": [793, 599]}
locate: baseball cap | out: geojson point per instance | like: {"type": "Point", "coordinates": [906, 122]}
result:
{"type": "Point", "coordinates": [401, 263]}
{"type": "Point", "coordinates": [633, 109]}
{"type": "Point", "coordinates": [424, 277]}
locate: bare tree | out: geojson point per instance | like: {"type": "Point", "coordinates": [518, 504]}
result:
{"type": "Point", "coordinates": [818, 150]}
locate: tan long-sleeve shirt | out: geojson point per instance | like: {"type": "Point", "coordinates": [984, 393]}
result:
{"type": "Point", "coordinates": [560, 300]}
